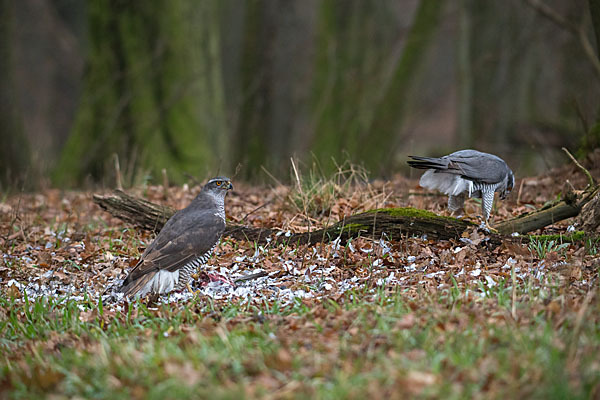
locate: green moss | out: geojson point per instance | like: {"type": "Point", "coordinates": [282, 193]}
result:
{"type": "Point", "coordinates": [160, 126]}
{"type": "Point", "coordinates": [574, 237]}
{"type": "Point", "coordinates": [352, 228]}
{"type": "Point", "coordinates": [412, 212]}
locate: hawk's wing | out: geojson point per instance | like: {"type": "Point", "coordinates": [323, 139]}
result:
{"type": "Point", "coordinates": [469, 164]}
{"type": "Point", "coordinates": [476, 166]}
{"type": "Point", "coordinates": [180, 241]}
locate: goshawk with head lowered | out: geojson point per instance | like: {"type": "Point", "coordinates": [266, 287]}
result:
{"type": "Point", "coordinates": [466, 173]}
{"type": "Point", "coordinates": [185, 242]}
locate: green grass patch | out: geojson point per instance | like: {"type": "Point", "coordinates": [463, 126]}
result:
{"type": "Point", "coordinates": [450, 345]}
{"type": "Point", "coordinates": [352, 228]}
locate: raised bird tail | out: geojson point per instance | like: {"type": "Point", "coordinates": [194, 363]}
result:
{"type": "Point", "coordinates": [133, 286]}
{"type": "Point", "coordinates": [427, 163]}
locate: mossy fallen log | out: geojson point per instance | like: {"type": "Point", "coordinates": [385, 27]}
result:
{"type": "Point", "coordinates": [392, 222]}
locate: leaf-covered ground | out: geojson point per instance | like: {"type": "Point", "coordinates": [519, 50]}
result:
{"type": "Point", "coordinates": [371, 317]}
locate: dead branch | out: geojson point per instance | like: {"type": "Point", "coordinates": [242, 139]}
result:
{"type": "Point", "coordinates": [134, 210]}
{"type": "Point", "coordinates": [568, 207]}
{"type": "Point", "coordinates": [591, 181]}
{"type": "Point", "coordinates": [571, 205]}
{"type": "Point", "coordinates": [250, 277]}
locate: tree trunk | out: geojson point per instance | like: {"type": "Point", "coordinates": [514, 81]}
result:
{"type": "Point", "coordinates": [151, 94]}
{"type": "Point", "coordinates": [14, 151]}
{"type": "Point", "coordinates": [389, 115]}
{"type": "Point", "coordinates": [589, 219]}
{"type": "Point", "coordinates": [595, 14]}
{"type": "Point", "coordinates": [464, 76]}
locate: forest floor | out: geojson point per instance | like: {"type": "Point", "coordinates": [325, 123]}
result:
{"type": "Point", "coordinates": [391, 317]}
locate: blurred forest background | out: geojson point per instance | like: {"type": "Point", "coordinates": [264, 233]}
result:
{"type": "Point", "coordinates": [199, 87]}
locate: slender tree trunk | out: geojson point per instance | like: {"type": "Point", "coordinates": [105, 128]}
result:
{"type": "Point", "coordinates": [389, 113]}
{"type": "Point", "coordinates": [595, 14]}
{"type": "Point", "coordinates": [14, 150]}
{"type": "Point", "coordinates": [366, 61]}
{"type": "Point", "coordinates": [465, 78]}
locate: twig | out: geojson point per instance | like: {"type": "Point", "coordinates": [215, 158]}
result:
{"type": "Point", "coordinates": [520, 190]}
{"type": "Point", "coordinates": [165, 183]}
{"type": "Point", "coordinates": [304, 199]}
{"type": "Point", "coordinates": [271, 175]}
{"type": "Point", "coordinates": [552, 15]}
{"type": "Point", "coordinates": [591, 181]}
{"type": "Point", "coordinates": [250, 277]}
{"type": "Point", "coordinates": [238, 168]}
{"type": "Point", "coordinates": [192, 178]}
{"type": "Point", "coordinates": [589, 51]}
{"type": "Point", "coordinates": [118, 172]}
{"type": "Point", "coordinates": [514, 292]}
{"type": "Point", "coordinates": [296, 174]}
{"type": "Point", "coordinates": [255, 210]}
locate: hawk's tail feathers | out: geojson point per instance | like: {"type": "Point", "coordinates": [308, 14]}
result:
{"type": "Point", "coordinates": [426, 163]}
{"type": "Point", "coordinates": [134, 287]}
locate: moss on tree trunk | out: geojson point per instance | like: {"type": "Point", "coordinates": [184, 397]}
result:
{"type": "Point", "coordinates": [151, 92]}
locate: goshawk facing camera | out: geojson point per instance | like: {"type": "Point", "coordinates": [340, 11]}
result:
{"type": "Point", "coordinates": [185, 243]}
{"type": "Point", "coordinates": [466, 173]}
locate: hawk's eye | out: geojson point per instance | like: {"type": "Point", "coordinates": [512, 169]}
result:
{"type": "Point", "coordinates": [218, 183]}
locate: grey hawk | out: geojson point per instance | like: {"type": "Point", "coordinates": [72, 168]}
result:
{"type": "Point", "coordinates": [466, 173]}
{"type": "Point", "coordinates": [185, 242]}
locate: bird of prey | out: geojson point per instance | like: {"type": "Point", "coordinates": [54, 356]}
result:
{"type": "Point", "coordinates": [466, 173]}
{"type": "Point", "coordinates": [184, 243]}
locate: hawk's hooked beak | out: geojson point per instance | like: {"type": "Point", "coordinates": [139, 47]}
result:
{"type": "Point", "coordinates": [229, 186]}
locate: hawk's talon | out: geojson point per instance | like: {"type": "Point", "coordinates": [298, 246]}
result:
{"type": "Point", "coordinates": [487, 227]}
{"type": "Point", "coordinates": [491, 228]}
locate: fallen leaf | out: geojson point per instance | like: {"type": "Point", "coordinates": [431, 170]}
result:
{"type": "Point", "coordinates": [406, 322]}
{"type": "Point", "coordinates": [416, 381]}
